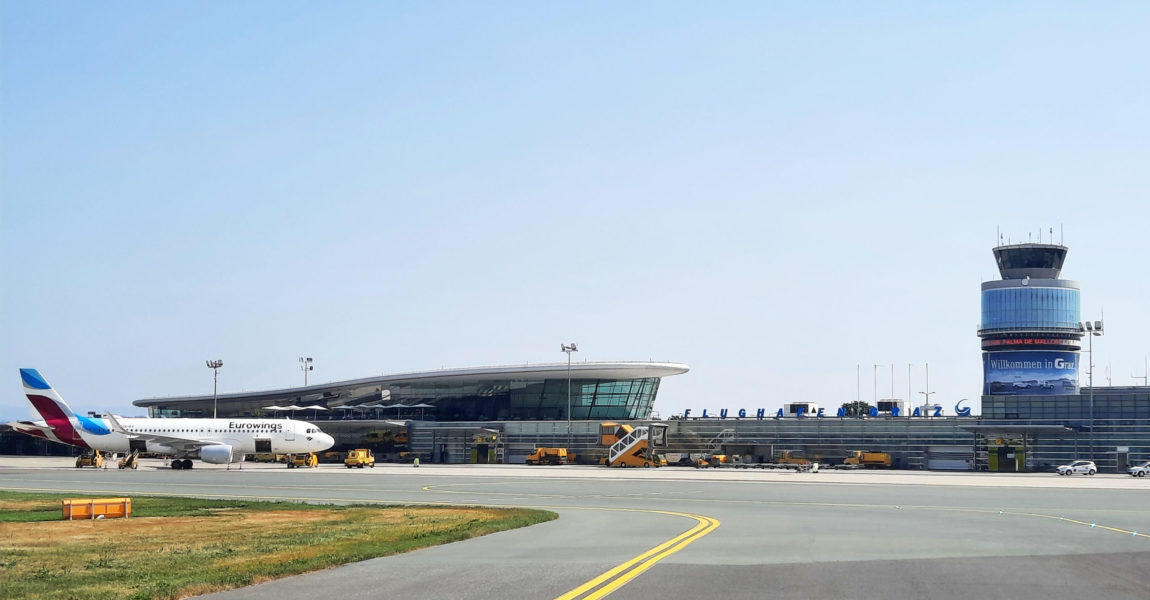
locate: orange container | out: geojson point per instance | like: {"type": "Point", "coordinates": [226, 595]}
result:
{"type": "Point", "coordinates": [97, 508]}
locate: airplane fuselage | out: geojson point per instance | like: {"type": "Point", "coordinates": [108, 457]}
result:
{"type": "Point", "coordinates": [244, 436]}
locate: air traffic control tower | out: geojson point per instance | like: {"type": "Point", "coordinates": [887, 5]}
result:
{"type": "Point", "coordinates": [1030, 329]}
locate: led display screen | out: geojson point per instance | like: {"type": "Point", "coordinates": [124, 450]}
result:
{"type": "Point", "coordinates": [1030, 373]}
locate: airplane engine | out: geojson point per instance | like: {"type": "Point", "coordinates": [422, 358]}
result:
{"type": "Point", "coordinates": [220, 454]}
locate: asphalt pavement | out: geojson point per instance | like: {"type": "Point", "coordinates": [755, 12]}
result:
{"type": "Point", "coordinates": [687, 533]}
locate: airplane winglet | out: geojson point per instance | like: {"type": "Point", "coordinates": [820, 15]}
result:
{"type": "Point", "coordinates": [116, 426]}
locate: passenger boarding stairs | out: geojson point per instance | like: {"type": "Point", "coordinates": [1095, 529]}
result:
{"type": "Point", "coordinates": [725, 436]}
{"type": "Point", "coordinates": [628, 444]}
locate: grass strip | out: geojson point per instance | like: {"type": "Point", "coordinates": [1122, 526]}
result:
{"type": "Point", "coordinates": [172, 548]}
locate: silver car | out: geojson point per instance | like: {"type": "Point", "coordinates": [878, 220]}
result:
{"type": "Point", "coordinates": [1139, 470]}
{"type": "Point", "coordinates": [1085, 467]}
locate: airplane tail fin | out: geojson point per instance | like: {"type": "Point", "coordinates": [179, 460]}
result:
{"type": "Point", "coordinates": [50, 405]}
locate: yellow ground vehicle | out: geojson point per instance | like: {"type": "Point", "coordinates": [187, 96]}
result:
{"type": "Point", "coordinates": [269, 457]}
{"type": "Point", "coordinates": [716, 460]}
{"type": "Point", "coordinates": [331, 456]}
{"type": "Point", "coordinates": [359, 458]}
{"type": "Point", "coordinates": [548, 456]}
{"type": "Point", "coordinates": [790, 457]}
{"type": "Point", "coordinates": [303, 460]}
{"type": "Point", "coordinates": [94, 459]}
{"type": "Point", "coordinates": [868, 459]}
{"type": "Point", "coordinates": [130, 461]}
{"type": "Point", "coordinates": [631, 446]}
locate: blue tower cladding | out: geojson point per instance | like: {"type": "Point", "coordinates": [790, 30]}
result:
{"type": "Point", "coordinates": [1031, 337]}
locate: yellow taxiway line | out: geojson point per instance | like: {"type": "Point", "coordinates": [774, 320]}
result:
{"type": "Point", "coordinates": [619, 576]}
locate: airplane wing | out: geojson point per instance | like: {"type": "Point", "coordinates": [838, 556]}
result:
{"type": "Point", "coordinates": [181, 444]}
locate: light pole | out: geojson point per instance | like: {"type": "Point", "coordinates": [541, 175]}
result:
{"type": "Point", "coordinates": [1092, 329]}
{"type": "Point", "coordinates": [305, 366]}
{"type": "Point", "coordinates": [215, 365]}
{"type": "Point", "coordinates": [927, 393]}
{"type": "Point", "coordinates": [876, 385]}
{"type": "Point", "coordinates": [569, 348]}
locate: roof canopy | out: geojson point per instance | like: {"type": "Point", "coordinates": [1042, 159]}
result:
{"type": "Point", "coordinates": [376, 388]}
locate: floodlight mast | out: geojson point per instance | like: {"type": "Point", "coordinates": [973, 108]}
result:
{"type": "Point", "coordinates": [1092, 329]}
{"type": "Point", "coordinates": [215, 365]}
{"type": "Point", "coordinates": [927, 393]}
{"type": "Point", "coordinates": [305, 366]}
{"type": "Point", "coordinates": [569, 348]}
{"type": "Point", "coordinates": [876, 384]}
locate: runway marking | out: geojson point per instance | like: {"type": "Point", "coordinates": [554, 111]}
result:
{"type": "Point", "coordinates": [1093, 525]}
{"type": "Point", "coordinates": [619, 576]}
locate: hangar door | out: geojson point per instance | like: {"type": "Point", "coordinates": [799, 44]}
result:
{"type": "Point", "coordinates": [949, 458]}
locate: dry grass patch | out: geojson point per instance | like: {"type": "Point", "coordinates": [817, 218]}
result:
{"type": "Point", "coordinates": [177, 556]}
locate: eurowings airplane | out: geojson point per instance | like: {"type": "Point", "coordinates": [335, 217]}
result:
{"type": "Point", "coordinates": [216, 441]}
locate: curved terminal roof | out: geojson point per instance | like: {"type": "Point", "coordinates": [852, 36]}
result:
{"type": "Point", "coordinates": [358, 391]}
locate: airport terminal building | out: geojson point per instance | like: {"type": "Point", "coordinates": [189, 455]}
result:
{"type": "Point", "coordinates": [1036, 412]}
{"type": "Point", "coordinates": [482, 414]}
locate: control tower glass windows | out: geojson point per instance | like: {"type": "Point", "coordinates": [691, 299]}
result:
{"type": "Point", "coordinates": [1037, 261]}
{"type": "Point", "coordinates": [1030, 308]}
{"type": "Point", "coordinates": [1032, 258]}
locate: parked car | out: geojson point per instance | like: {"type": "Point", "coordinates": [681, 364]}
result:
{"type": "Point", "coordinates": [1139, 470]}
{"type": "Point", "coordinates": [1085, 467]}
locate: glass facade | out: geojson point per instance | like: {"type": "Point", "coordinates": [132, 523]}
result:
{"type": "Point", "coordinates": [946, 443]}
{"type": "Point", "coordinates": [1111, 404]}
{"type": "Point", "coordinates": [530, 399]}
{"type": "Point", "coordinates": [1117, 435]}
{"type": "Point", "coordinates": [912, 443]}
{"type": "Point", "coordinates": [1030, 308]}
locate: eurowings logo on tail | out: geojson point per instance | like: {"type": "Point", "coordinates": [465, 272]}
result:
{"type": "Point", "coordinates": [52, 407]}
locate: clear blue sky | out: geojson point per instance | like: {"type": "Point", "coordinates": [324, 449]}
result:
{"type": "Point", "coordinates": [773, 193]}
